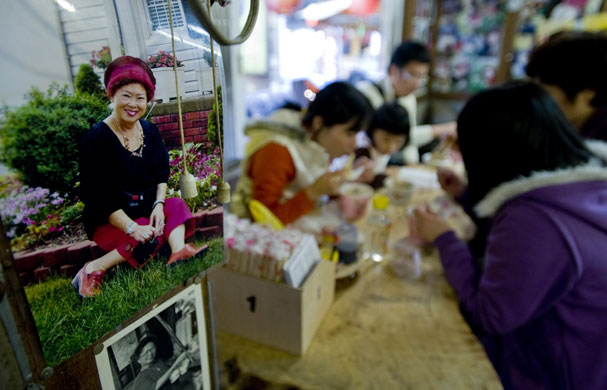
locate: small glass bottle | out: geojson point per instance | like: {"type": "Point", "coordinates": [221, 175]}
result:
{"type": "Point", "coordinates": [347, 244]}
{"type": "Point", "coordinates": [378, 229]}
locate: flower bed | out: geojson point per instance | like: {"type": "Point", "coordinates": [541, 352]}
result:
{"type": "Point", "coordinates": [101, 58]}
{"type": "Point", "coordinates": [65, 260]}
{"type": "Point", "coordinates": [32, 216]}
{"type": "Point", "coordinates": [35, 218]}
{"type": "Point", "coordinates": [162, 60]}
{"type": "Point", "coordinates": [206, 169]}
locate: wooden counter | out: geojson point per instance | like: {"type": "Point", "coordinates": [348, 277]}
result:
{"type": "Point", "coordinates": [382, 332]}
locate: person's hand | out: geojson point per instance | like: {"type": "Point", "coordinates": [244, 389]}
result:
{"type": "Point", "coordinates": [444, 130]}
{"type": "Point", "coordinates": [450, 182]}
{"type": "Point", "coordinates": [428, 225]}
{"type": "Point", "coordinates": [369, 169]}
{"type": "Point", "coordinates": [143, 233]}
{"type": "Point", "coordinates": [327, 184]}
{"type": "Point", "coordinates": [174, 376]}
{"type": "Point", "coordinates": [157, 218]}
{"type": "Point", "coordinates": [392, 170]}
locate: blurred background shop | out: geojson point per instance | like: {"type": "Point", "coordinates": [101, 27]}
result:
{"type": "Point", "coordinates": [53, 49]}
{"type": "Point", "coordinates": [297, 46]}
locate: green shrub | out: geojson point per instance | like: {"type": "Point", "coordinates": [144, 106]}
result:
{"type": "Point", "coordinates": [212, 122]}
{"type": "Point", "coordinates": [40, 139]}
{"type": "Point", "coordinates": [8, 183]}
{"type": "Point", "coordinates": [72, 214]}
{"type": "Point", "coordinates": [87, 81]}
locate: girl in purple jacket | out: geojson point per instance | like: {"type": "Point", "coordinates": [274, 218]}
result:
{"type": "Point", "coordinates": [539, 302]}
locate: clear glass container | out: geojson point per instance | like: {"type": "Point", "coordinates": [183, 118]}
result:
{"type": "Point", "coordinates": [378, 229]}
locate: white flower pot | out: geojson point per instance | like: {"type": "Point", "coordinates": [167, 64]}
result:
{"type": "Point", "coordinates": [165, 83]}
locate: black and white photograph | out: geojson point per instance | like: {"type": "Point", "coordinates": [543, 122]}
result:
{"type": "Point", "coordinates": [165, 349]}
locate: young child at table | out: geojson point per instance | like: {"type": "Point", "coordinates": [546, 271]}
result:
{"type": "Point", "coordinates": [387, 133]}
{"type": "Point", "coordinates": [538, 303]}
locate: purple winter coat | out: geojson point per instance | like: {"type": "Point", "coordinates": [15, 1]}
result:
{"type": "Point", "coordinates": [539, 306]}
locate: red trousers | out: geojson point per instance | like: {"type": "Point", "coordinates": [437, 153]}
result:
{"type": "Point", "coordinates": [109, 237]}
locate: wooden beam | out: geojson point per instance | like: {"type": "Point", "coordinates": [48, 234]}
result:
{"type": "Point", "coordinates": [22, 316]}
{"type": "Point", "coordinates": [434, 27]}
{"type": "Point", "coordinates": [506, 52]}
{"type": "Point", "coordinates": [409, 19]}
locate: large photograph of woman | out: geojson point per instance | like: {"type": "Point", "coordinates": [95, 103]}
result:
{"type": "Point", "coordinates": [95, 226]}
{"type": "Point", "coordinates": [124, 171]}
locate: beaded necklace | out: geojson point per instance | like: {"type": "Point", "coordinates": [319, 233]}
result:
{"type": "Point", "coordinates": [137, 152]}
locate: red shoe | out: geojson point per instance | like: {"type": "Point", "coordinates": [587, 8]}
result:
{"type": "Point", "coordinates": [187, 252]}
{"type": "Point", "coordinates": [88, 285]}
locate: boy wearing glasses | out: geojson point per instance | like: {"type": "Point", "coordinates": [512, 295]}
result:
{"type": "Point", "coordinates": [407, 72]}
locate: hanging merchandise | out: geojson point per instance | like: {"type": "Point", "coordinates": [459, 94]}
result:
{"type": "Point", "coordinates": [286, 7]}
{"type": "Point", "coordinates": [363, 7]}
{"type": "Point", "coordinates": [468, 45]}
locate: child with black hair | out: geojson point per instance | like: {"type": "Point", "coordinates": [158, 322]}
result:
{"type": "Point", "coordinates": [387, 133]}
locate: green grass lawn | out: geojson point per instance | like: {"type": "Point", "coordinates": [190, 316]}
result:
{"type": "Point", "coordinates": [66, 324]}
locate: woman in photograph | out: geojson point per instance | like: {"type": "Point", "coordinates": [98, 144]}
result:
{"type": "Point", "coordinates": [538, 303]}
{"type": "Point", "coordinates": [124, 169]}
{"type": "Point", "coordinates": [154, 371]}
{"type": "Point", "coordinates": [287, 158]}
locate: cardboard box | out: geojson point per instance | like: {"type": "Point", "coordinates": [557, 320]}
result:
{"type": "Point", "coordinates": [273, 313]}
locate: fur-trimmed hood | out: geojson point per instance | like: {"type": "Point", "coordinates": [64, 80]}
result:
{"type": "Point", "coordinates": [592, 171]}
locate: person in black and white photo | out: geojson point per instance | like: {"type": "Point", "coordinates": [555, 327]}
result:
{"type": "Point", "coordinates": [162, 353]}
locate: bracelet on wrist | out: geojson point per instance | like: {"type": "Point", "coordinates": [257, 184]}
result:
{"type": "Point", "coordinates": [157, 202]}
{"type": "Point", "coordinates": [130, 228]}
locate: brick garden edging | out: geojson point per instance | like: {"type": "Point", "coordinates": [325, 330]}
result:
{"type": "Point", "coordinates": [67, 259]}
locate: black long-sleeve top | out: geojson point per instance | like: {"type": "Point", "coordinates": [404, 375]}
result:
{"type": "Point", "coordinates": [107, 170]}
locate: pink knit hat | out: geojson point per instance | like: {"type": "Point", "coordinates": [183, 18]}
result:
{"type": "Point", "coordinates": [129, 68]}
